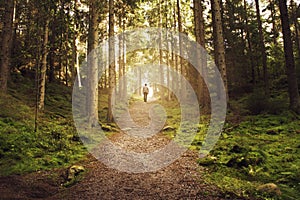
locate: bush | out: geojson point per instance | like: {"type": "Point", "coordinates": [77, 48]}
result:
{"type": "Point", "coordinates": [258, 103]}
{"type": "Point", "coordinates": [277, 106]}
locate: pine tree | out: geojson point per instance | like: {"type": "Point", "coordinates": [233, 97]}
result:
{"type": "Point", "coordinates": [6, 39]}
{"type": "Point", "coordinates": [219, 42]}
{"type": "Point", "coordinates": [289, 57]}
{"type": "Point", "coordinates": [262, 48]}
{"type": "Point", "coordinates": [92, 78]}
{"type": "Point", "coordinates": [112, 71]}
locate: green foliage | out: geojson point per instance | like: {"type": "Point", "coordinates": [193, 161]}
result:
{"type": "Point", "coordinates": [262, 149]}
{"type": "Point", "coordinates": [258, 102]}
{"type": "Point", "coordinates": [56, 142]}
{"type": "Point", "coordinates": [251, 152]}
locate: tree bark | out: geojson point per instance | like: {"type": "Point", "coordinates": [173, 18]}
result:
{"type": "Point", "coordinates": [44, 66]}
{"type": "Point", "coordinates": [121, 74]}
{"type": "Point", "coordinates": [203, 95]}
{"type": "Point", "coordinates": [124, 90]}
{"type": "Point", "coordinates": [273, 18]}
{"type": "Point", "coordinates": [289, 58]}
{"type": "Point", "coordinates": [112, 71]}
{"type": "Point", "coordinates": [161, 78]}
{"type": "Point", "coordinates": [180, 61]}
{"type": "Point", "coordinates": [262, 48]}
{"type": "Point", "coordinates": [295, 16]}
{"type": "Point", "coordinates": [219, 42]}
{"type": "Point", "coordinates": [175, 47]}
{"type": "Point", "coordinates": [92, 78]}
{"type": "Point", "coordinates": [167, 53]}
{"type": "Point", "coordinates": [5, 58]}
{"type": "Point", "coordinates": [74, 58]}
{"type": "Point", "coordinates": [52, 39]}
{"type": "Point", "coordinates": [250, 49]}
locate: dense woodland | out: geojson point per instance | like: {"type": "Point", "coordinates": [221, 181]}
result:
{"type": "Point", "coordinates": [254, 43]}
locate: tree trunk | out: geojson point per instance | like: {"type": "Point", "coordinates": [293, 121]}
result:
{"type": "Point", "coordinates": [167, 52]}
{"type": "Point", "coordinates": [74, 59]}
{"type": "Point", "coordinates": [52, 54]}
{"type": "Point", "coordinates": [77, 63]}
{"type": "Point", "coordinates": [44, 66]}
{"type": "Point", "coordinates": [15, 42]}
{"type": "Point", "coordinates": [112, 71]}
{"type": "Point", "coordinates": [174, 46]}
{"type": "Point", "coordinates": [273, 18]}
{"type": "Point", "coordinates": [250, 50]}
{"type": "Point", "coordinates": [6, 40]}
{"type": "Point", "coordinates": [203, 95]}
{"type": "Point", "coordinates": [289, 58]}
{"type": "Point", "coordinates": [295, 17]}
{"type": "Point", "coordinates": [124, 90]}
{"type": "Point", "coordinates": [181, 63]}
{"type": "Point", "coordinates": [92, 91]}
{"type": "Point", "coordinates": [262, 48]}
{"type": "Point", "coordinates": [161, 78]}
{"type": "Point", "coordinates": [219, 42]}
{"type": "Point", "coordinates": [120, 43]}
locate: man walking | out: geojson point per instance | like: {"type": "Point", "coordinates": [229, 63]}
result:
{"type": "Point", "coordinates": [145, 92]}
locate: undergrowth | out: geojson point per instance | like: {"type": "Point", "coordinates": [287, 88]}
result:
{"type": "Point", "coordinates": [55, 143]}
{"type": "Point", "coordinates": [262, 149]}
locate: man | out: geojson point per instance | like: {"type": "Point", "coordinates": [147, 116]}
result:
{"type": "Point", "coordinates": [145, 92]}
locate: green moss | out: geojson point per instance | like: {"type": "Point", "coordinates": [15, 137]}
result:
{"type": "Point", "coordinates": [53, 145]}
{"type": "Point", "coordinates": [259, 150]}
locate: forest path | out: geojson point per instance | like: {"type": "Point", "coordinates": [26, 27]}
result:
{"type": "Point", "coordinates": [182, 179]}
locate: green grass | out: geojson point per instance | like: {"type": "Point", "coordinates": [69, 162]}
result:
{"type": "Point", "coordinates": [54, 145]}
{"type": "Point", "coordinates": [252, 151]}
{"type": "Point", "coordinates": [261, 149]}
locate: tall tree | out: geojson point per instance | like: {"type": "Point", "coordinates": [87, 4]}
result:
{"type": "Point", "coordinates": [6, 40]}
{"type": "Point", "coordinates": [112, 71]}
{"type": "Point", "coordinates": [44, 65]}
{"type": "Point", "coordinates": [219, 41]}
{"type": "Point", "coordinates": [289, 57]}
{"type": "Point", "coordinates": [93, 37]}
{"type": "Point", "coordinates": [273, 20]}
{"type": "Point", "coordinates": [121, 43]}
{"type": "Point", "coordinates": [249, 42]}
{"type": "Point", "coordinates": [174, 46]}
{"type": "Point", "coordinates": [262, 48]}
{"type": "Point", "coordinates": [181, 61]}
{"type": "Point", "coordinates": [203, 95]}
{"type": "Point", "coordinates": [167, 52]}
{"type": "Point", "coordinates": [161, 67]}
{"type": "Point", "coordinates": [199, 22]}
{"type": "Point", "coordinates": [52, 41]}
{"type": "Point", "coordinates": [124, 88]}
{"type": "Point", "coordinates": [295, 16]}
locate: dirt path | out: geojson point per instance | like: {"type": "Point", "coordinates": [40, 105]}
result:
{"type": "Point", "coordinates": [180, 180]}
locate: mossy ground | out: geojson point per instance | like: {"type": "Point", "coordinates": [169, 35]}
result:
{"type": "Point", "coordinates": [55, 144]}
{"type": "Point", "coordinates": [254, 150]}
{"type": "Point", "coordinates": [262, 149]}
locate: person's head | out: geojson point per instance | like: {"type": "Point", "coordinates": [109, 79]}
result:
{"type": "Point", "coordinates": [145, 84]}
